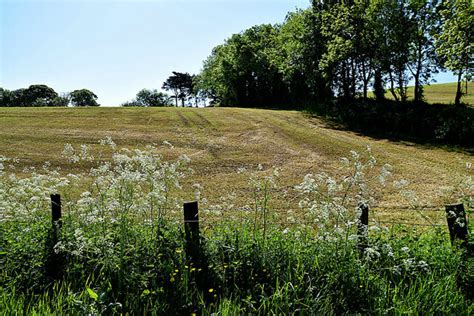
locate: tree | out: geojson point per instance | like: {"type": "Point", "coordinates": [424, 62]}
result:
{"type": "Point", "coordinates": [18, 98]}
{"type": "Point", "coordinates": [5, 97]}
{"type": "Point", "coordinates": [298, 51]}
{"type": "Point", "coordinates": [147, 97]}
{"type": "Point", "coordinates": [62, 100]}
{"type": "Point", "coordinates": [395, 48]}
{"type": "Point", "coordinates": [180, 84]}
{"type": "Point", "coordinates": [454, 42]}
{"type": "Point", "coordinates": [131, 103]}
{"type": "Point", "coordinates": [424, 25]}
{"type": "Point", "coordinates": [244, 71]}
{"type": "Point", "coordinates": [83, 97]}
{"type": "Point", "coordinates": [38, 95]}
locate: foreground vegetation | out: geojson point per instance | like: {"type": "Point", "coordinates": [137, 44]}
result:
{"type": "Point", "coordinates": [121, 248]}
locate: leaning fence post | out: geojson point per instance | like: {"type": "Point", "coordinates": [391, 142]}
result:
{"type": "Point", "coordinates": [362, 227]}
{"type": "Point", "coordinates": [53, 264]}
{"type": "Point", "coordinates": [191, 230]}
{"type": "Point", "coordinates": [457, 223]}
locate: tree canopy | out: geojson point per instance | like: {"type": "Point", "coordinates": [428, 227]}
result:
{"type": "Point", "coordinates": [34, 95]}
{"type": "Point", "coordinates": [454, 42]}
{"type": "Point", "coordinates": [146, 98]}
{"type": "Point", "coordinates": [83, 97]}
{"type": "Point", "coordinates": [181, 86]}
{"type": "Point", "coordinates": [341, 49]}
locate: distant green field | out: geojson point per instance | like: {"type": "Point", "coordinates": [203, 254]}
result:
{"type": "Point", "coordinates": [442, 93]}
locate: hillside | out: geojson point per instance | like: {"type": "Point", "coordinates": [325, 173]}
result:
{"type": "Point", "coordinates": [442, 93]}
{"type": "Point", "coordinates": [219, 141]}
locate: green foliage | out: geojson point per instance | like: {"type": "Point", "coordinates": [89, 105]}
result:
{"type": "Point", "coordinates": [454, 43]}
{"type": "Point", "coordinates": [146, 97]}
{"type": "Point", "coordinates": [34, 95]}
{"type": "Point", "coordinates": [242, 71]}
{"type": "Point", "coordinates": [83, 97]}
{"type": "Point", "coordinates": [181, 85]}
{"type": "Point", "coordinates": [339, 48]}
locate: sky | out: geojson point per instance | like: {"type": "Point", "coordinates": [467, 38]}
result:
{"type": "Point", "coordinates": [117, 47]}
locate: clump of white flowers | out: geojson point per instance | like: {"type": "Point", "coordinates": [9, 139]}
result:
{"type": "Point", "coordinates": [122, 187]}
{"type": "Point", "coordinates": [332, 202]}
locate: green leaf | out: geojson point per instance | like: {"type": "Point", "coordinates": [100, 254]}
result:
{"type": "Point", "coordinates": [92, 294]}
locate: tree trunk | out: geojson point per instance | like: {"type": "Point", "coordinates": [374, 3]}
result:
{"type": "Point", "coordinates": [457, 101]}
{"type": "Point", "coordinates": [392, 87]}
{"type": "Point", "coordinates": [419, 66]}
{"type": "Point", "coordinates": [401, 86]}
{"type": "Point", "coordinates": [378, 86]}
{"type": "Point", "coordinates": [417, 88]}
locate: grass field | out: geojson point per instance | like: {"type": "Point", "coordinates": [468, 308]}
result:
{"type": "Point", "coordinates": [219, 141]}
{"type": "Point", "coordinates": [443, 93]}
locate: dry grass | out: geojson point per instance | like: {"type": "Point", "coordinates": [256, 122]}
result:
{"type": "Point", "coordinates": [220, 140]}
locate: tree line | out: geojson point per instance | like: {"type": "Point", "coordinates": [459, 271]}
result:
{"type": "Point", "coordinates": [342, 49]}
{"type": "Point", "coordinates": [184, 88]}
{"type": "Point", "coordinates": [42, 95]}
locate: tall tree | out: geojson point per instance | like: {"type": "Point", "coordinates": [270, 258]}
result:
{"type": "Point", "coordinates": [243, 72]}
{"type": "Point", "coordinates": [338, 58]}
{"type": "Point", "coordinates": [454, 42]}
{"type": "Point", "coordinates": [424, 24]}
{"type": "Point", "coordinates": [397, 26]}
{"type": "Point", "coordinates": [300, 46]}
{"type": "Point", "coordinates": [180, 84]}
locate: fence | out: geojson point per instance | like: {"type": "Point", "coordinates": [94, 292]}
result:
{"type": "Point", "coordinates": [455, 218]}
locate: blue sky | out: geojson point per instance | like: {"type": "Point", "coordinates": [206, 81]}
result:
{"type": "Point", "coordinates": [115, 48]}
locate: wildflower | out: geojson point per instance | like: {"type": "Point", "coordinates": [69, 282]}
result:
{"type": "Point", "coordinates": [107, 141]}
{"type": "Point", "coordinates": [423, 265]}
{"type": "Point", "coordinates": [167, 143]}
{"type": "Point", "coordinates": [241, 170]}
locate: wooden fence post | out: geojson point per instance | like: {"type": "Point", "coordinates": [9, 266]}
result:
{"type": "Point", "coordinates": [56, 213]}
{"type": "Point", "coordinates": [457, 223]}
{"type": "Point", "coordinates": [54, 261]}
{"type": "Point", "coordinates": [362, 227]}
{"type": "Point", "coordinates": [191, 229]}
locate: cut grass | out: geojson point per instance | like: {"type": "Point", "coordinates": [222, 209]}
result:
{"type": "Point", "coordinates": [221, 140]}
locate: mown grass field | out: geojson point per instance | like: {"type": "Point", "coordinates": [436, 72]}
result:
{"type": "Point", "coordinates": [219, 141]}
